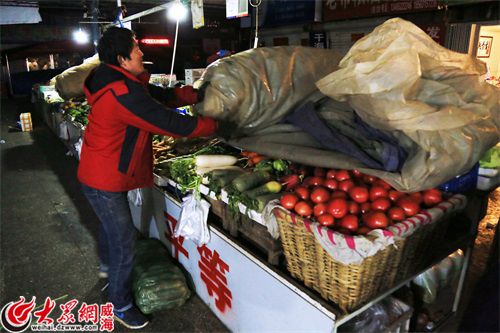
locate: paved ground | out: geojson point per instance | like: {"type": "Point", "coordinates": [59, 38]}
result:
{"type": "Point", "coordinates": [49, 232]}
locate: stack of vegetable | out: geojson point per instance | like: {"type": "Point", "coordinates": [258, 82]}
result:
{"type": "Point", "coordinates": [77, 110]}
{"type": "Point", "coordinates": [351, 202]}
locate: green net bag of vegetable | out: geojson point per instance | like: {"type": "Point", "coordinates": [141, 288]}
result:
{"type": "Point", "coordinates": [157, 283]}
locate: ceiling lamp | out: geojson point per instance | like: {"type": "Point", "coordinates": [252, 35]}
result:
{"type": "Point", "coordinates": [80, 36]}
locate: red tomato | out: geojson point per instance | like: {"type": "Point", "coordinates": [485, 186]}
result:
{"type": "Point", "coordinates": [320, 194]}
{"type": "Point", "coordinates": [432, 197]}
{"type": "Point", "coordinates": [337, 207]}
{"type": "Point", "coordinates": [382, 183]}
{"type": "Point", "coordinates": [381, 204]}
{"type": "Point", "coordinates": [338, 194]}
{"type": "Point", "coordinates": [302, 192]}
{"type": "Point", "coordinates": [409, 206]}
{"type": "Point", "coordinates": [353, 208]}
{"type": "Point", "coordinates": [356, 173]}
{"type": "Point", "coordinates": [365, 207]}
{"type": "Point", "coordinates": [359, 194]}
{"type": "Point", "coordinates": [349, 222]}
{"type": "Point", "coordinates": [417, 197]}
{"type": "Point", "coordinates": [363, 230]}
{"type": "Point", "coordinates": [288, 200]}
{"type": "Point", "coordinates": [330, 174]}
{"type": "Point", "coordinates": [319, 172]}
{"type": "Point", "coordinates": [326, 220]}
{"type": "Point", "coordinates": [378, 192]}
{"type": "Point", "coordinates": [369, 179]}
{"type": "Point", "coordinates": [303, 209]}
{"type": "Point", "coordinates": [376, 219]}
{"type": "Point", "coordinates": [342, 175]}
{"type": "Point", "coordinates": [395, 195]}
{"type": "Point", "coordinates": [346, 185]}
{"type": "Point", "coordinates": [319, 209]}
{"type": "Point", "coordinates": [313, 181]}
{"type": "Point", "coordinates": [330, 184]}
{"type": "Point", "coordinates": [396, 214]}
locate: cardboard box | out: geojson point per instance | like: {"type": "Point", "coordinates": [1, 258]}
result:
{"type": "Point", "coordinates": [25, 119]}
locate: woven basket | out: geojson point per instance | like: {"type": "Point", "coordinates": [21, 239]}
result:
{"type": "Point", "coordinates": [299, 246]}
{"type": "Point", "coordinates": [352, 285]}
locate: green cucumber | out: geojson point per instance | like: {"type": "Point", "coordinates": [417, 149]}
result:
{"type": "Point", "coordinates": [224, 180]}
{"type": "Point", "coordinates": [267, 188]}
{"type": "Point", "coordinates": [262, 200]}
{"type": "Point", "coordinates": [250, 180]}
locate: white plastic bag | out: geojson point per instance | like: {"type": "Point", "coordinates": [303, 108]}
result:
{"type": "Point", "coordinates": [135, 197]}
{"type": "Point", "coordinates": [63, 130]}
{"type": "Point", "coordinates": [193, 220]}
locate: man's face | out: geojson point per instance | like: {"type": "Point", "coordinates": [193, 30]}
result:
{"type": "Point", "coordinates": [134, 65]}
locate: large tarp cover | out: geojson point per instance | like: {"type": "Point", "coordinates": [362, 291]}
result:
{"type": "Point", "coordinates": [433, 101]}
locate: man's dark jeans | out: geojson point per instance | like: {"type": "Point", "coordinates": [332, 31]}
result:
{"type": "Point", "coordinates": [116, 242]}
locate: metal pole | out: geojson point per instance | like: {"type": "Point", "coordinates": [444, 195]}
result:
{"type": "Point", "coordinates": [173, 56]}
{"type": "Point", "coordinates": [143, 13]}
{"type": "Point", "coordinates": [461, 282]}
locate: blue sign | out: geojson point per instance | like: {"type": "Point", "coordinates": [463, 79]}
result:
{"type": "Point", "coordinates": [285, 12]}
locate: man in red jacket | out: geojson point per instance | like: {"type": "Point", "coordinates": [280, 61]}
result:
{"type": "Point", "coordinates": [116, 154]}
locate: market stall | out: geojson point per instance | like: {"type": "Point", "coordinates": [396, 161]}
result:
{"type": "Point", "coordinates": [293, 233]}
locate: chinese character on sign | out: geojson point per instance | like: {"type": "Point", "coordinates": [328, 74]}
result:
{"type": "Point", "coordinates": [176, 241]}
{"type": "Point", "coordinates": [67, 317]}
{"type": "Point", "coordinates": [318, 39]}
{"type": "Point", "coordinates": [107, 322]}
{"type": "Point", "coordinates": [88, 313]}
{"type": "Point", "coordinates": [213, 270]}
{"type": "Point", "coordinates": [484, 46]}
{"type": "Point", "coordinates": [43, 314]}
{"type": "Point", "coordinates": [433, 32]}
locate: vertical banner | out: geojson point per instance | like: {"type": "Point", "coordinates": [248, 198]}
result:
{"type": "Point", "coordinates": [318, 39]}
{"type": "Point", "coordinates": [197, 14]}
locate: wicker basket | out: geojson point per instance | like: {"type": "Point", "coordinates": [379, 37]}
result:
{"type": "Point", "coordinates": [299, 246]}
{"type": "Point", "coordinates": [351, 285]}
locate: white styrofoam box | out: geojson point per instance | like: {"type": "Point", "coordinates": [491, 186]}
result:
{"type": "Point", "coordinates": [192, 74]}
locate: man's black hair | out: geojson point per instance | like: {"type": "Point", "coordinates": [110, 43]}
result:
{"type": "Point", "coordinates": [115, 42]}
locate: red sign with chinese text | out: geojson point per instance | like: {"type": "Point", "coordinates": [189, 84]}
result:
{"type": "Point", "coordinates": [347, 9]}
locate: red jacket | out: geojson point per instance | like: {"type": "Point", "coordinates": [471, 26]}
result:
{"type": "Point", "coordinates": [117, 153]}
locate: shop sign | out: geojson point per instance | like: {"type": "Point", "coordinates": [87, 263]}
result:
{"type": "Point", "coordinates": [318, 40]}
{"type": "Point", "coordinates": [284, 12]}
{"type": "Point", "coordinates": [347, 9]}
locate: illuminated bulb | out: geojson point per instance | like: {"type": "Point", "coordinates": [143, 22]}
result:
{"type": "Point", "coordinates": [80, 36]}
{"type": "Point", "coordinates": [177, 11]}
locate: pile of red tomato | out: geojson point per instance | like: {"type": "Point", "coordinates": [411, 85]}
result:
{"type": "Point", "coordinates": [351, 202]}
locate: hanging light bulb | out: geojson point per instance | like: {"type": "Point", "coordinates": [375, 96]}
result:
{"type": "Point", "coordinates": [80, 36]}
{"type": "Point", "coordinates": [177, 11]}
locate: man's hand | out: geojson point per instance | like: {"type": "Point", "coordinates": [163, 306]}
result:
{"type": "Point", "coordinates": [225, 129]}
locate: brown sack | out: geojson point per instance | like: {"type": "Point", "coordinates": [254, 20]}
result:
{"type": "Point", "coordinates": [69, 84]}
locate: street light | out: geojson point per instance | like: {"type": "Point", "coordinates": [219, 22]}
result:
{"type": "Point", "coordinates": [175, 11]}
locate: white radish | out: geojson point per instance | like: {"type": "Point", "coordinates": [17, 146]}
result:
{"type": "Point", "coordinates": [214, 160]}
